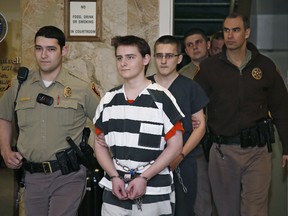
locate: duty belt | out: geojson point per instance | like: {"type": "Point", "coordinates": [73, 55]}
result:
{"type": "Point", "coordinates": [226, 140]}
{"type": "Point", "coordinates": [44, 167]}
{"type": "Point", "coordinates": [260, 134]}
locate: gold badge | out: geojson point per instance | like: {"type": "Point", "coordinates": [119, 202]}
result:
{"type": "Point", "coordinates": [257, 73]}
{"type": "Point", "coordinates": [67, 92]}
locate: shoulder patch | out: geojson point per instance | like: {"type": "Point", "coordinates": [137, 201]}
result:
{"type": "Point", "coordinates": [95, 89]}
{"type": "Point", "coordinates": [8, 86]}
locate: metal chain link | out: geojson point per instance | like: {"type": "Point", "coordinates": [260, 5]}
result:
{"type": "Point", "coordinates": [138, 202]}
{"type": "Point", "coordinates": [127, 169]}
{"type": "Point", "coordinates": [177, 170]}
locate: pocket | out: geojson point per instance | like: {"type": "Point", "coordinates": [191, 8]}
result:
{"type": "Point", "coordinates": [25, 110]}
{"type": "Point", "coordinates": [66, 112]}
{"type": "Point", "coordinates": [150, 135]}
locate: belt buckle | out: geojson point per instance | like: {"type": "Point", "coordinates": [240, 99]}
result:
{"type": "Point", "coordinates": [47, 167]}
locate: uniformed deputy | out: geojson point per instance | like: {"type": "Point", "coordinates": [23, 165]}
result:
{"type": "Point", "coordinates": [243, 87]}
{"type": "Point", "coordinates": [52, 104]}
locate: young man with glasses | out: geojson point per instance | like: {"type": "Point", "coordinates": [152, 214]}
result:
{"type": "Point", "coordinates": [141, 123]}
{"type": "Point", "coordinates": [196, 47]}
{"type": "Point", "coordinates": [187, 167]}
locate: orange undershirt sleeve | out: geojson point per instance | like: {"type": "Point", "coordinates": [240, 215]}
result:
{"type": "Point", "coordinates": [172, 132]}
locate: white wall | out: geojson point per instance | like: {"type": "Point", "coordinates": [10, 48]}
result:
{"type": "Point", "coordinates": [166, 17]}
{"type": "Point", "coordinates": [269, 32]}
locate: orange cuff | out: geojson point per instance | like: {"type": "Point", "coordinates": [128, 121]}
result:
{"type": "Point", "coordinates": [98, 131]}
{"type": "Point", "coordinates": [172, 132]}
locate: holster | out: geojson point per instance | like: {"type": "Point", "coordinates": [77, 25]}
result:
{"type": "Point", "coordinates": [260, 135]}
{"type": "Point", "coordinates": [206, 143]}
{"type": "Point", "coordinates": [85, 154]}
{"type": "Point", "coordinates": [68, 161]}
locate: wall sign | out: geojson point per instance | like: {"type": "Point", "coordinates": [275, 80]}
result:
{"type": "Point", "coordinates": [3, 27]}
{"type": "Point", "coordinates": [10, 59]}
{"type": "Point", "coordinates": [83, 20]}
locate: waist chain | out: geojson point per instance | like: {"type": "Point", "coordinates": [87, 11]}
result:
{"type": "Point", "coordinates": [132, 172]}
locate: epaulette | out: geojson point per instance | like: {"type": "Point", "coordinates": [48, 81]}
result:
{"type": "Point", "coordinates": [79, 76]}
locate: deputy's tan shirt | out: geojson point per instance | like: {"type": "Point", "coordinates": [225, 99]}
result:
{"type": "Point", "coordinates": [189, 70]}
{"type": "Point", "coordinates": [42, 128]}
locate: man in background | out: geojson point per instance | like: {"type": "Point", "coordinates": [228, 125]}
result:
{"type": "Point", "coordinates": [216, 43]}
{"type": "Point", "coordinates": [196, 47]}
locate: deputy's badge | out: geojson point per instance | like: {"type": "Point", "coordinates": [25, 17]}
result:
{"type": "Point", "coordinates": [95, 90]}
{"type": "Point", "coordinates": [257, 73]}
{"type": "Point", "coordinates": [67, 92]}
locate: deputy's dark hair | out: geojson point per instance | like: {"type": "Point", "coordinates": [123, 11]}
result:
{"type": "Point", "coordinates": [168, 39]}
{"type": "Point", "coordinates": [193, 31]}
{"type": "Point", "coordinates": [244, 18]}
{"type": "Point", "coordinates": [51, 32]}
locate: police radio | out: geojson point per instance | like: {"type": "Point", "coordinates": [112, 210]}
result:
{"type": "Point", "coordinates": [44, 99]}
{"type": "Point", "coordinates": [22, 75]}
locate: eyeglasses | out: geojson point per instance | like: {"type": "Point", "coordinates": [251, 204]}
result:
{"type": "Point", "coordinates": [160, 56]}
{"type": "Point", "coordinates": [195, 44]}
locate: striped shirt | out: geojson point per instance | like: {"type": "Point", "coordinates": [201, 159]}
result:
{"type": "Point", "coordinates": [136, 132]}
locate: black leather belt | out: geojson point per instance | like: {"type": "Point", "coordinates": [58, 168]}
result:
{"type": "Point", "coordinates": [44, 167]}
{"type": "Point", "coordinates": [226, 140]}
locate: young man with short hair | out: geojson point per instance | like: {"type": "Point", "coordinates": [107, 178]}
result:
{"type": "Point", "coordinates": [190, 168]}
{"type": "Point", "coordinates": [51, 104]}
{"type": "Point", "coordinates": [141, 123]}
{"type": "Point", "coordinates": [196, 47]}
{"type": "Point", "coordinates": [216, 43]}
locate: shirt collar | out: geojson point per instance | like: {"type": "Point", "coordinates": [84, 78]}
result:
{"type": "Point", "coordinates": [61, 78]}
{"type": "Point", "coordinates": [248, 56]}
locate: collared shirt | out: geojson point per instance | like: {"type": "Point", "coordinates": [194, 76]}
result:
{"type": "Point", "coordinates": [248, 56]}
{"type": "Point", "coordinates": [43, 128]}
{"type": "Point", "coordinates": [238, 99]}
{"type": "Point", "coordinates": [189, 70]}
